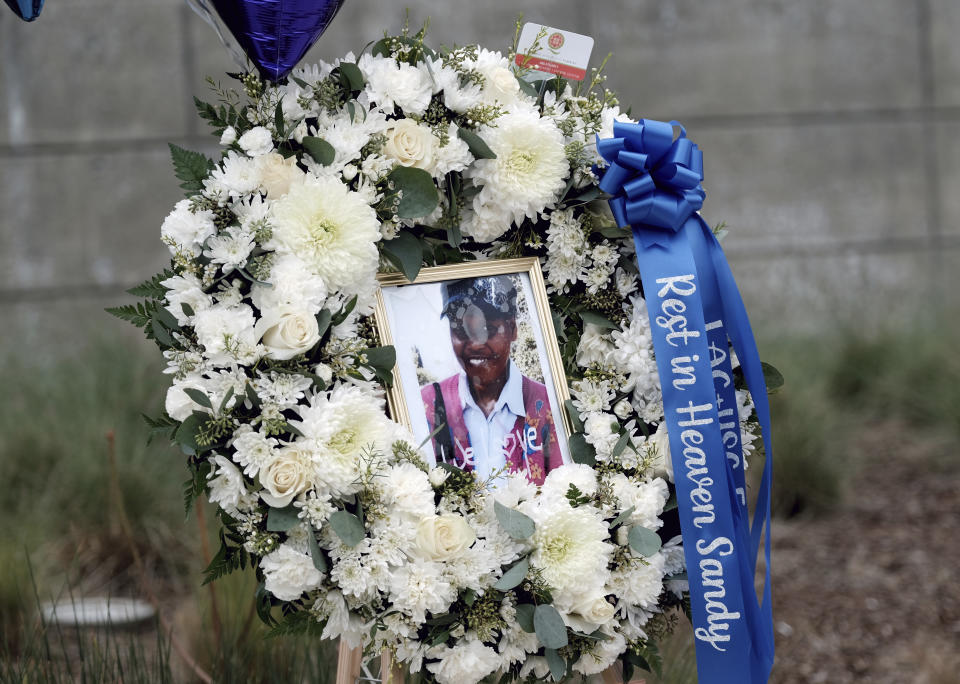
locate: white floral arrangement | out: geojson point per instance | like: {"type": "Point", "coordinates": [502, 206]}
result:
{"type": "Point", "coordinates": [401, 157]}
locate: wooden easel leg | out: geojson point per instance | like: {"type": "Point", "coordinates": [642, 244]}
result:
{"type": "Point", "coordinates": [390, 671]}
{"type": "Point", "coordinates": [349, 662]}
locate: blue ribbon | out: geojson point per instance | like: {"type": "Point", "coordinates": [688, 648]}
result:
{"type": "Point", "coordinates": [696, 312]}
{"type": "Point", "coordinates": [28, 10]}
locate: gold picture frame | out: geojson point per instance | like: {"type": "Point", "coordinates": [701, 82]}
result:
{"type": "Point", "coordinates": [525, 266]}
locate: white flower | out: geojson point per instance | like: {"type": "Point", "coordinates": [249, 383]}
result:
{"type": "Point", "coordinates": [230, 248]}
{"type": "Point", "coordinates": [603, 654]}
{"type": "Point", "coordinates": [340, 621]}
{"type": "Point", "coordinates": [438, 476]}
{"type": "Point", "coordinates": [227, 334]}
{"type": "Point", "coordinates": [442, 537]}
{"type": "Point", "coordinates": [288, 573]}
{"type": "Point", "coordinates": [256, 142]}
{"type": "Point", "coordinates": [226, 484]}
{"type": "Point", "coordinates": [389, 83]}
{"type": "Point", "coordinates": [530, 168]}
{"type": "Point", "coordinates": [341, 428]}
{"type": "Point", "coordinates": [639, 584]}
{"type": "Point", "coordinates": [594, 347]}
{"type": "Point", "coordinates": [179, 405]}
{"type": "Point", "coordinates": [454, 156]}
{"type": "Point", "coordinates": [646, 498]}
{"type": "Point", "coordinates": [589, 612]}
{"type": "Point", "coordinates": [499, 83]}
{"type": "Point", "coordinates": [418, 587]}
{"type": "Point", "coordinates": [467, 662]}
{"type": "Point", "coordinates": [570, 547]}
{"type": "Point", "coordinates": [288, 332]}
{"type": "Point", "coordinates": [292, 285]}
{"type": "Point", "coordinates": [315, 508]}
{"type": "Point", "coordinates": [486, 222]}
{"type": "Point", "coordinates": [185, 230]}
{"type": "Point", "coordinates": [286, 475]}
{"type": "Point", "coordinates": [237, 176]}
{"type": "Point", "coordinates": [406, 490]}
{"type": "Point", "coordinates": [185, 289]}
{"type": "Point", "coordinates": [411, 144]}
{"type": "Point", "coordinates": [513, 488]}
{"type": "Point", "coordinates": [599, 429]}
{"type": "Point", "coordinates": [278, 175]}
{"type": "Point", "coordinates": [660, 451]}
{"type": "Point", "coordinates": [229, 136]}
{"type": "Point", "coordinates": [331, 229]}
{"type": "Point", "coordinates": [559, 480]}
{"type": "Point", "coordinates": [252, 450]}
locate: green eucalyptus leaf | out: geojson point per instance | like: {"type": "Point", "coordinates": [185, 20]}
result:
{"type": "Point", "coordinates": [644, 542]}
{"type": "Point", "coordinates": [525, 617]}
{"type": "Point", "coordinates": [348, 527]}
{"type": "Point", "coordinates": [517, 525]}
{"type": "Point", "coordinates": [620, 446]}
{"type": "Point", "coordinates": [186, 434]}
{"type": "Point", "coordinates": [623, 517]}
{"type": "Point", "coordinates": [558, 668]}
{"type": "Point", "coordinates": [352, 76]}
{"type": "Point", "coordinates": [478, 148]}
{"type": "Point", "coordinates": [549, 626]}
{"type": "Point", "coordinates": [318, 148]}
{"type": "Point", "coordinates": [199, 396]}
{"type": "Point", "coordinates": [582, 451]}
{"type": "Point", "coordinates": [406, 253]}
{"type": "Point", "coordinates": [597, 319]}
{"type": "Point", "coordinates": [316, 553]}
{"type": "Point", "coordinates": [282, 519]}
{"type": "Point", "coordinates": [514, 576]}
{"type": "Point", "coordinates": [420, 196]}
{"type": "Point", "coordinates": [771, 376]}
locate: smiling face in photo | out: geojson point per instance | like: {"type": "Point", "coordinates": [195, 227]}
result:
{"type": "Point", "coordinates": [481, 343]}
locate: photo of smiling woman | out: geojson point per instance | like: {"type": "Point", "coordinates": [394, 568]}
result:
{"type": "Point", "coordinates": [474, 374]}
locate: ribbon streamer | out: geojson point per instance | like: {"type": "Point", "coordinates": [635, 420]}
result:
{"type": "Point", "coordinates": [696, 313]}
{"type": "Point", "coordinates": [28, 10]}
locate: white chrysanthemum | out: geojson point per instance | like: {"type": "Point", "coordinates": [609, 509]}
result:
{"type": "Point", "coordinates": [530, 168]}
{"type": "Point", "coordinates": [252, 450]}
{"type": "Point", "coordinates": [185, 289]}
{"type": "Point", "coordinates": [226, 485]}
{"type": "Point", "coordinates": [467, 662]}
{"type": "Point", "coordinates": [389, 83]}
{"type": "Point", "coordinates": [633, 355]}
{"type": "Point", "coordinates": [331, 229]}
{"type": "Point", "coordinates": [570, 547]}
{"type": "Point", "coordinates": [592, 395]}
{"type": "Point", "coordinates": [599, 430]}
{"type": "Point", "coordinates": [457, 96]}
{"type": "Point", "coordinates": [227, 334]}
{"type": "Point", "coordinates": [284, 390]}
{"type": "Point", "coordinates": [256, 142]}
{"type": "Point", "coordinates": [288, 573]}
{"type": "Point", "coordinates": [236, 176]}
{"type": "Point", "coordinates": [342, 428]}
{"type": "Point", "coordinates": [418, 587]}
{"type": "Point", "coordinates": [185, 231]}
{"type": "Point", "coordinates": [566, 250]}
{"type": "Point", "coordinates": [230, 249]}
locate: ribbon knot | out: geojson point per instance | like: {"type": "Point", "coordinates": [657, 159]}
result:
{"type": "Point", "coordinates": [654, 179]}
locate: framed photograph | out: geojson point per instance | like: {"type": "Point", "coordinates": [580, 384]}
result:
{"type": "Point", "coordinates": [479, 378]}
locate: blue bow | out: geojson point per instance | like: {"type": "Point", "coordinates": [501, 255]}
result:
{"type": "Point", "coordinates": [654, 179]}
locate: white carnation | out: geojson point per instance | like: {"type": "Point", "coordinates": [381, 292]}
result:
{"type": "Point", "coordinates": [646, 498]}
{"type": "Point", "coordinates": [226, 485]}
{"type": "Point", "coordinates": [454, 156]}
{"type": "Point", "coordinates": [603, 654]}
{"type": "Point", "coordinates": [418, 587]}
{"type": "Point", "coordinates": [467, 662]}
{"type": "Point", "coordinates": [227, 334]}
{"type": "Point", "coordinates": [559, 480]}
{"type": "Point", "coordinates": [179, 405]}
{"type": "Point", "coordinates": [291, 285]}
{"type": "Point", "coordinates": [595, 346]}
{"type": "Point", "coordinates": [185, 231]}
{"type": "Point", "coordinates": [288, 573]}
{"type": "Point", "coordinates": [639, 584]}
{"type": "Point", "coordinates": [256, 142]}
{"type": "Point", "coordinates": [185, 289]}
{"type": "Point", "coordinates": [406, 490]}
{"type": "Point", "coordinates": [390, 83]}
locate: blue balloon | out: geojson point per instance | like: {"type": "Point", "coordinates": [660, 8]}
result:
{"type": "Point", "coordinates": [276, 34]}
{"type": "Point", "coordinates": [28, 10]}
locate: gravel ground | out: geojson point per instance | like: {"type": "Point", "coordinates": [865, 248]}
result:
{"type": "Point", "coordinates": [872, 592]}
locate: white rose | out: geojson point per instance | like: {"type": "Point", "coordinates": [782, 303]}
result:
{"type": "Point", "coordinates": [440, 537]}
{"type": "Point", "coordinates": [502, 83]}
{"type": "Point", "coordinates": [277, 174]}
{"type": "Point", "coordinates": [285, 476]}
{"type": "Point", "coordinates": [410, 144]}
{"type": "Point", "coordinates": [622, 409]}
{"type": "Point", "coordinates": [589, 613]}
{"type": "Point", "coordinates": [288, 333]}
{"type": "Point", "coordinates": [256, 141]}
{"type": "Point", "coordinates": [288, 573]}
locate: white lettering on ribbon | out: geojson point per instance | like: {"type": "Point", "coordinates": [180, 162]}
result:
{"type": "Point", "coordinates": [672, 319]}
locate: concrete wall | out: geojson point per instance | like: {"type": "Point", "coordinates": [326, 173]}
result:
{"type": "Point", "coordinates": [829, 129]}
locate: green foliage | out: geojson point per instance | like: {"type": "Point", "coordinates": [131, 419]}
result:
{"type": "Point", "coordinates": [549, 626]}
{"type": "Point", "coordinates": [191, 168]}
{"type": "Point", "coordinates": [140, 314]}
{"type": "Point", "coordinates": [514, 576]}
{"type": "Point", "coordinates": [517, 524]}
{"type": "Point", "coordinates": [318, 148]}
{"type": "Point", "coordinates": [282, 519]}
{"type": "Point", "coordinates": [348, 527]}
{"type": "Point", "coordinates": [419, 194]}
{"type": "Point", "coordinates": [152, 289]}
{"type": "Point", "coordinates": [478, 148]}
{"type": "Point", "coordinates": [405, 252]}
{"type": "Point", "coordinates": [229, 558]}
{"type": "Point", "coordinates": [643, 542]}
